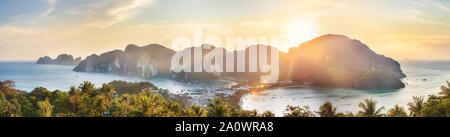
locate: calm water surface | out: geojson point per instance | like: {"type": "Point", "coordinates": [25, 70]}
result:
{"type": "Point", "coordinates": [29, 75]}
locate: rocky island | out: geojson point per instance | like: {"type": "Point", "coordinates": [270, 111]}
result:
{"type": "Point", "coordinates": [149, 61]}
{"type": "Point", "coordinates": [62, 59]}
{"type": "Point", "coordinates": [326, 61]}
{"type": "Point", "coordinates": [338, 61]}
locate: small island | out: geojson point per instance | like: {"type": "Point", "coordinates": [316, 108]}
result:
{"type": "Point", "coordinates": [62, 59]}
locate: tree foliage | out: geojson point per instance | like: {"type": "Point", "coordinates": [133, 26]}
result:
{"type": "Point", "coordinates": [369, 108]}
{"type": "Point", "coordinates": [88, 101]}
{"type": "Point", "coordinates": [416, 106]}
{"type": "Point", "coordinates": [397, 111]}
{"type": "Point", "coordinates": [327, 110]}
{"type": "Point", "coordinates": [297, 111]}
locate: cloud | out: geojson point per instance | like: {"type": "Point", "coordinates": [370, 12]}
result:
{"type": "Point", "coordinates": [98, 13]}
{"type": "Point", "coordinates": [110, 12]}
{"type": "Point", "coordinates": [424, 20]}
{"type": "Point", "coordinates": [50, 9]}
{"type": "Point", "coordinates": [83, 27]}
{"type": "Point", "coordinates": [51, 1]}
{"type": "Point", "coordinates": [12, 31]}
{"type": "Point", "coordinates": [263, 23]}
{"type": "Point", "coordinates": [424, 12]}
{"type": "Point", "coordinates": [440, 5]}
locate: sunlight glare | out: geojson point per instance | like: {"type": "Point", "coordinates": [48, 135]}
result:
{"type": "Point", "coordinates": [300, 31]}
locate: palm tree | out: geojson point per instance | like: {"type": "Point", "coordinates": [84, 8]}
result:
{"type": "Point", "coordinates": [246, 113]}
{"type": "Point", "coordinates": [45, 108]}
{"type": "Point", "coordinates": [416, 106]}
{"type": "Point", "coordinates": [445, 91]}
{"type": "Point", "coordinates": [397, 111]}
{"type": "Point", "coordinates": [41, 93]}
{"type": "Point", "coordinates": [126, 102]}
{"type": "Point", "coordinates": [151, 105]}
{"type": "Point", "coordinates": [218, 108]}
{"type": "Point", "coordinates": [369, 108]}
{"type": "Point", "coordinates": [327, 110]}
{"type": "Point", "coordinates": [297, 111]}
{"type": "Point", "coordinates": [9, 108]}
{"type": "Point", "coordinates": [74, 100]}
{"type": "Point", "coordinates": [196, 111]}
{"type": "Point", "coordinates": [268, 113]}
{"type": "Point", "coordinates": [108, 91]}
{"type": "Point", "coordinates": [88, 88]}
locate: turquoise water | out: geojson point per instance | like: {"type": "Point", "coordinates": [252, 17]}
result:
{"type": "Point", "coordinates": [423, 78]}
{"type": "Point", "coordinates": [29, 75]}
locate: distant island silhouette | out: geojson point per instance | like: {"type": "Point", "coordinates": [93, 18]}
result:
{"type": "Point", "coordinates": [62, 59]}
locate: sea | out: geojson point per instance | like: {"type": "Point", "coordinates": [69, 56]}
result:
{"type": "Point", "coordinates": [423, 78]}
{"type": "Point", "coordinates": [28, 75]}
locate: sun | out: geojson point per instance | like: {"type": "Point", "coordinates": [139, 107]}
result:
{"type": "Point", "coordinates": [300, 31]}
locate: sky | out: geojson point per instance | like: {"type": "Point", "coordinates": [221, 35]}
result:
{"type": "Point", "coordinates": [401, 29]}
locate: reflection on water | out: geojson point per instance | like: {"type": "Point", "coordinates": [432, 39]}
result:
{"type": "Point", "coordinates": [423, 78]}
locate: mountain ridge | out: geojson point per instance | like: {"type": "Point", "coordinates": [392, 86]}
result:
{"type": "Point", "coordinates": [329, 60]}
{"type": "Point", "coordinates": [62, 59]}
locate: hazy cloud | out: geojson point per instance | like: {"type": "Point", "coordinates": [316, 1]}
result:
{"type": "Point", "coordinates": [424, 12]}
{"type": "Point", "coordinates": [83, 27]}
{"type": "Point", "coordinates": [51, 8]}
{"type": "Point", "coordinates": [440, 5]}
{"type": "Point", "coordinates": [51, 1]}
{"type": "Point", "coordinates": [109, 12]}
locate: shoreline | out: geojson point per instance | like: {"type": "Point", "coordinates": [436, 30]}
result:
{"type": "Point", "coordinates": [236, 99]}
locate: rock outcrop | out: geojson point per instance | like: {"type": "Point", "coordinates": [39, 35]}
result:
{"type": "Point", "coordinates": [238, 75]}
{"type": "Point", "coordinates": [63, 59]}
{"type": "Point", "coordinates": [148, 61]}
{"type": "Point", "coordinates": [338, 61]}
{"type": "Point", "coordinates": [327, 61]}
